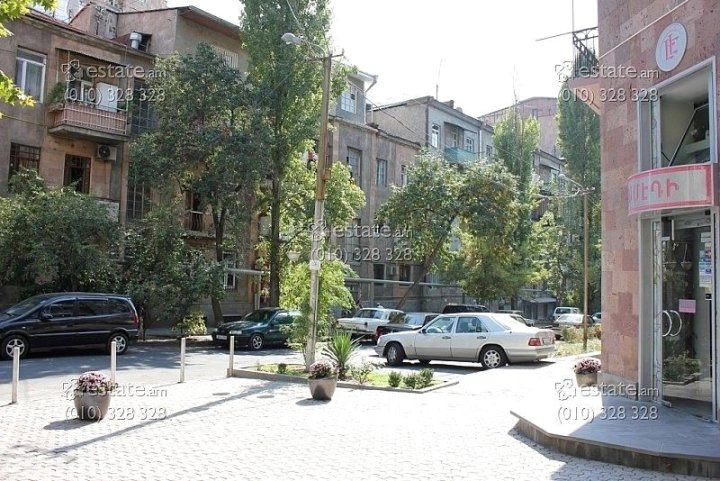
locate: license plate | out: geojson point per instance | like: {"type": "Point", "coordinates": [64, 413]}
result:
{"type": "Point", "coordinates": [220, 337]}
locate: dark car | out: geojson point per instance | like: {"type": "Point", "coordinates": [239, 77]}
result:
{"type": "Point", "coordinates": [454, 308]}
{"type": "Point", "coordinates": [68, 319]}
{"type": "Point", "coordinates": [257, 329]}
{"type": "Point", "coordinates": [410, 321]}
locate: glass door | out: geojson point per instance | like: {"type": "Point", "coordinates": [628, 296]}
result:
{"type": "Point", "coordinates": [684, 320]}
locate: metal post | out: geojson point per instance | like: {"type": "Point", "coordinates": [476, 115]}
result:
{"type": "Point", "coordinates": [15, 374]}
{"type": "Point", "coordinates": [113, 361]}
{"type": "Point", "coordinates": [182, 359]}
{"type": "Point", "coordinates": [318, 228]}
{"type": "Point", "coordinates": [585, 268]}
{"type": "Point", "coordinates": [232, 353]}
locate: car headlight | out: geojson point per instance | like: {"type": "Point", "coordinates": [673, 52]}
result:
{"type": "Point", "coordinates": [235, 333]}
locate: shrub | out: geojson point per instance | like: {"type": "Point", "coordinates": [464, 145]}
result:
{"type": "Point", "coordinates": [597, 331]}
{"type": "Point", "coordinates": [341, 348]}
{"type": "Point", "coordinates": [394, 379]}
{"type": "Point", "coordinates": [192, 325]}
{"type": "Point", "coordinates": [282, 368]}
{"type": "Point", "coordinates": [587, 365]}
{"type": "Point", "coordinates": [678, 368]}
{"type": "Point", "coordinates": [410, 381]}
{"type": "Point", "coordinates": [362, 372]}
{"type": "Point", "coordinates": [572, 334]}
{"type": "Point", "coordinates": [425, 377]}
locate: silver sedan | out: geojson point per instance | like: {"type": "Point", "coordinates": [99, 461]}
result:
{"type": "Point", "coordinates": [489, 338]}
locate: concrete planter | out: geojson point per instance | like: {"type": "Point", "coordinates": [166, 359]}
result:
{"type": "Point", "coordinates": [322, 389]}
{"type": "Point", "coordinates": [91, 406]}
{"type": "Point", "coordinates": [589, 379]}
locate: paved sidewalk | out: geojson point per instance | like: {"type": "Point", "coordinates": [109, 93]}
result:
{"type": "Point", "coordinates": [237, 429]}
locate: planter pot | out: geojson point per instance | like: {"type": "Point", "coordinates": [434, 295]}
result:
{"type": "Point", "coordinates": [322, 389]}
{"type": "Point", "coordinates": [589, 379]}
{"type": "Point", "coordinates": [91, 406]}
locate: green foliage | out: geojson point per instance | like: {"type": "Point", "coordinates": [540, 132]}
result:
{"type": "Point", "coordinates": [362, 372]}
{"type": "Point", "coordinates": [394, 379]}
{"type": "Point", "coordinates": [572, 334]}
{"type": "Point", "coordinates": [165, 276]}
{"type": "Point", "coordinates": [191, 325]}
{"type": "Point", "coordinates": [295, 294]}
{"type": "Point", "coordinates": [56, 239]}
{"type": "Point", "coordinates": [679, 368]}
{"type": "Point", "coordinates": [341, 347]}
{"type": "Point", "coordinates": [282, 368]}
{"type": "Point", "coordinates": [57, 93]}
{"type": "Point", "coordinates": [425, 377]}
{"type": "Point", "coordinates": [12, 10]}
{"type": "Point", "coordinates": [410, 381]}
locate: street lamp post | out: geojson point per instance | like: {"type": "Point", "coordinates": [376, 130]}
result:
{"type": "Point", "coordinates": [584, 191]}
{"type": "Point", "coordinates": [323, 169]}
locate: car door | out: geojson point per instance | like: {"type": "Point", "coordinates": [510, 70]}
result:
{"type": "Point", "coordinates": [56, 328]}
{"type": "Point", "coordinates": [434, 340]}
{"type": "Point", "coordinates": [274, 334]}
{"type": "Point", "coordinates": [94, 321]}
{"type": "Point", "coordinates": [469, 336]}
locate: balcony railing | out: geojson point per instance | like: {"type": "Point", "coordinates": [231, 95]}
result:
{"type": "Point", "coordinates": [459, 155]}
{"type": "Point", "coordinates": [194, 221]}
{"type": "Point", "coordinates": [586, 53]}
{"type": "Point", "coordinates": [77, 114]}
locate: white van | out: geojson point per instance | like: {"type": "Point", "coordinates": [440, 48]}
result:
{"type": "Point", "coordinates": [559, 311]}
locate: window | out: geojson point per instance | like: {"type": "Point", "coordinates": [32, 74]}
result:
{"type": "Point", "coordinates": [453, 139]}
{"type": "Point", "coordinates": [442, 325]}
{"type": "Point", "coordinates": [379, 272]}
{"type": "Point", "coordinates": [466, 325]}
{"type": "Point", "coordinates": [92, 307]}
{"type": "Point", "coordinates": [77, 172]}
{"type": "Point", "coordinates": [489, 151]}
{"type": "Point", "coordinates": [348, 99]}
{"type": "Point", "coordinates": [352, 242]}
{"type": "Point", "coordinates": [81, 91]}
{"type": "Point", "coordinates": [195, 214]}
{"type": "Point", "coordinates": [405, 272]}
{"type": "Point", "coordinates": [403, 175]}
{"type": "Point", "coordinates": [354, 161]}
{"type": "Point", "coordinates": [23, 156]}
{"type": "Point", "coordinates": [435, 136]}
{"type": "Point", "coordinates": [230, 261]}
{"type": "Point", "coordinates": [535, 113]}
{"type": "Point", "coordinates": [141, 118]}
{"type": "Point", "coordinates": [30, 73]}
{"type": "Point", "coordinates": [61, 309]}
{"type": "Point", "coordinates": [381, 173]}
{"type": "Point", "coordinates": [138, 201]}
{"type": "Point", "coordinates": [469, 144]}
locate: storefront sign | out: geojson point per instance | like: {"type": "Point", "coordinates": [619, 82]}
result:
{"type": "Point", "coordinates": [671, 188]}
{"type": "Point", "coordinates": [671, 47]}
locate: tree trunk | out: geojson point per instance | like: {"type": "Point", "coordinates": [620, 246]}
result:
{"type": "Point", "coordinates": [425, 268]}
{"type": "Point", "coordinates": [275, 242]}
{"type": "Point", "coordinates": [219, 221]}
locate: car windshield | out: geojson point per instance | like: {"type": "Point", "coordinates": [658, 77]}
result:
{"type": "Point", "coordinates": [369, 314]}
{"type": "Point", "coordinates": [259, 316]}
{"type": "Point", "coordinates": [412, 319]}
{"type": "Point", "coordinates": [571, 318]}
{"type": "Point", "coordinates": [22, 307]}
{"type": "Point", "coordinates": [508, 322]}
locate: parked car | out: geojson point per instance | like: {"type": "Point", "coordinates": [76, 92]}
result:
{"type": "Point", "coordinates": [259, 328]}
{"type": "Point", "coordinates": [524, 320]}
{"type": "Point", "coordinates": [597, 317]}
{"type": "Point", "coordinates": [569, 320]}
{"type": "Point", "coordinates": [68, 319]}
{"type": "Point", "coordinates": [492, 339]}
{"type": "Point", "coordinates": [366, 321]}
{"type": "Point", "coordinates": [409, 322]}
{"type": "Point", "coordinates": [453, 308]}
{"type": "Point", "coordinates": [559, 311]}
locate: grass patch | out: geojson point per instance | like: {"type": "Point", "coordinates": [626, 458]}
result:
{"type": "Point", "coordinates": [375, 378]}
{"type": "Point", "coordinates": [576, 348]}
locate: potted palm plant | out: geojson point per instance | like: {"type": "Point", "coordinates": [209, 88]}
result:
{"type": "Point", "coordinates": [92, 395]}
{"type": "Point", "coordinates": [322, 379]}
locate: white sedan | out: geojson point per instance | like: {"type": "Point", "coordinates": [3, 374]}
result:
{"type": "Point", "coordinates": [489, 338]}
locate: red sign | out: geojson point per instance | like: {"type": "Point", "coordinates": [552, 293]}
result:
{"type": "Point", "coordinates": [671, 187]}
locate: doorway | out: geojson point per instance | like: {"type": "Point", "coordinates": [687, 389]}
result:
{"type": "Point", "coordinates": [684, 326]}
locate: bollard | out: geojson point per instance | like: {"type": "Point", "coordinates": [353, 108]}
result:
{"type": "Point", "coordinates": [232, 353]}
{"type": "Point", "coordinates": [15, 374]}
{"type": "Point", "coordinates": [182, 359]}
{"type": "Point", "coordinates": [113, 361]}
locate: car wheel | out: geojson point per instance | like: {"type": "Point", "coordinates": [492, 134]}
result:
{"type": "Point", "coordinates": [256, 342]}
{"type": "Point", "coordinates": [395, 354]}
{"type": "Point", "coordinates": [492, 357]}
{"type": "Point", "coordinates": [12, 341]}
{"type": "Point", "coordinates": [121, 343]}
{"type": "Point", "coordinates": [424, 362]}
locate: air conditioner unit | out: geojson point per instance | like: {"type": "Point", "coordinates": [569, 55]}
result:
{"type": "Point", "coordinates": [106, 152]}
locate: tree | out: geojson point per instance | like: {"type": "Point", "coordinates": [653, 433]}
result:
{"type": "Point", "coordinates": [441, 202]}
{"type": "Point", "coordinates": [56, 239]}
{"type": "Point", "coordinates": [207, 142]}
{"type": "Point", "coordinates": [164, 276]}
{"type": "Point", "coordinates": [579, 139]}
{"type": "Point", "coordinates": [12, 10]}
{"type": "Point", "coordinates": [288, 79]}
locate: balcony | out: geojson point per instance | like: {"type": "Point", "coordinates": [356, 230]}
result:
{"type": "Point", "coordinates": [458, 155]}
{"type": "Point", "coordinates": [194, 221]}
{"type": "Point", "coordinates": [79, 120]}
{"type": "Point", "coordinates": [585, 78]}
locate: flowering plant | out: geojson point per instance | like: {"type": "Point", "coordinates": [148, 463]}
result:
{"type": "Point", "coordinates": [587, 365]}
{"type": "Point", "coordinates": [94, 382]}
{"type": "Point", "coordinates": [322, 368]}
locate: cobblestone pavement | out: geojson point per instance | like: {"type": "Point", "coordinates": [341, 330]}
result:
{"type": "Point", "coordinates": [240, 429]}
